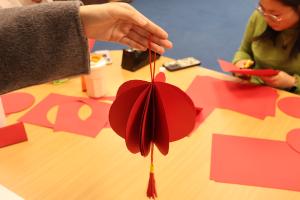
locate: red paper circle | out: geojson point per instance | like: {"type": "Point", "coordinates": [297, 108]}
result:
{"type": "Point", "coordinates": [290, 106]}
{"type": "Point", "coordinates": [16, 102]}
{"type": "Point", "coordinates": [293, 139]}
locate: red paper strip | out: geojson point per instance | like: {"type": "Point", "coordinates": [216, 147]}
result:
{"type": "Point", "coordinates": [256, 162]}
{"type": "Point", "coordinates": [229, 67]}
{"type": "Point", "coordinates": [12, 134]}
{"type": "Point", "coordinates": [16, 102]}
{"type": "Point", "coordinates": [210, 93]}
{"type": "Point", "coordinates": [68, 120]}
{"type": "Point", "coordinates": [290, 106]}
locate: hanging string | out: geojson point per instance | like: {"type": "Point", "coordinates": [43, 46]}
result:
{"type": "Point", "coordinates": [152, 67]}
{"type": "Point", "coordinates": [151, 190]}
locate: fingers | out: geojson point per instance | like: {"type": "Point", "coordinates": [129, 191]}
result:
{"type": "Point", "coordinates": [162, 42]}
{"type": "Point", "coordinates": [127, 12]}
{"type": "Point", "coordinates": [132, 43]}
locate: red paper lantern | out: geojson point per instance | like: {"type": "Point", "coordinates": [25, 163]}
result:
{"type": "Point", "coordinates": [151, 113]}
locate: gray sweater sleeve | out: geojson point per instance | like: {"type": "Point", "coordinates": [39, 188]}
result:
{"type": "Point", "coordinates": [41, 43]}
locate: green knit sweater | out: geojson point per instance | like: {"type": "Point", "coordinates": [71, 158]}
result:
{"type": "Point", "coordinates": [265, 53]}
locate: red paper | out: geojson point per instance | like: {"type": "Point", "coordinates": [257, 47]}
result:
{"type": "Point", "coordinates": [210, 93]}
{"type": "Point", "coordinates": [38, 115]}
{"type": "Point", "coordinates": [290, 106]}
{"type": "Point", "coordinates": [155, 112]}
{"type": "Point", "coordinates": [68, 120]}
{"type": "Point", "coordinates": [12, 134]}
{"type": "Point", "coordinates": [91, 44]}
{"type": "Point", "coordinates": [256, 162]}
{"type": "Point", "coordinates": [229, 67]}
{"type": "Point", "coordinates": [16, 102]}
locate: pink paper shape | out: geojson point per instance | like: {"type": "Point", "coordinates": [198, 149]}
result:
{"type": "Point", "coordinates": [38, 115]}
{"type": "Point", "coordinates": [155, 112]}
{"type": "Point", "coordinates": [68, 120]}
{"type": "Point", "coordinates": [229, 67]}
{"type": "Point", "coordinates": [16, 102]}
{"type": "Point", "coordinates": [290, 106]}
{"type": "Point", "coordinates": [210, 93]}
{"type": "Point", "coordinates": [12, 134]}
{"type": "Point", "coordinates": [256, 162]}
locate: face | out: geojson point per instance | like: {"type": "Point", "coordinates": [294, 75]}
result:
{"type": "Point", "coordinates": [285, 16]}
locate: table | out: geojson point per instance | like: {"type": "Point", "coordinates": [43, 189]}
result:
{"type": "Point", "coordinates": [62, 165]}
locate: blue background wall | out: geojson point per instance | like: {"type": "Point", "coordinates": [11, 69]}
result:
{"type": "Point", "coordinates": [207, 30]}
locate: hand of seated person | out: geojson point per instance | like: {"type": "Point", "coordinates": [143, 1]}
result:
{"type": "Point", "coordinates": [281, 81]}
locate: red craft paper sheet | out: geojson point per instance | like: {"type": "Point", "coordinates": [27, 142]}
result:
{"type": "Point", "coordinates": [16, 102]}
{"type": "Point", "coordinates": [256, 162]}
{"type": "Point", "coordinates": [91, 44]}
{"type": "Point", "coordinates": [38, 115]}
{"type": "Point", "coordinates": [229, 67]}
{"type": "Point", "coordinates": [68, 119]}
{"type": "Point", "coordinates": [210, 93]}
{"type": "Point", "coordinates": [290, 106]}
{"type": "Point", "coordinates": [12, 134]}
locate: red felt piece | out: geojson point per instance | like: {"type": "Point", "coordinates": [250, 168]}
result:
{"type": "Point", "coordinates": [256, 162]}
{"type": "Point", "coordinates": [38, 115]}
{"type": "Point", "coordinates": [293, 139]}
{"type": "Point", "coordinates": [290, 106]}
{"type": "Point", "coordinates": [229, 67]}
{"type": "Point", "coordinates": [210, 93]}
{"type": "Point", "coordinates": [16, 102]}
{"type": "Point", "coordinates": [68, 119]}
{"type": "Point", "coordinates": [12, 134]}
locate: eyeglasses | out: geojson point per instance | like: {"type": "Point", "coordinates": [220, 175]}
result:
{"type": "Point", "coordinates": [272, 17]}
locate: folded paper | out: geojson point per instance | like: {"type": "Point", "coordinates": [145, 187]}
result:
{"type": "Point", "coordinates": [229, 67]}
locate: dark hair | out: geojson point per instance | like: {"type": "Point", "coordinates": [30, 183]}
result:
{"type": "Point", "coordinates": [271, 34]}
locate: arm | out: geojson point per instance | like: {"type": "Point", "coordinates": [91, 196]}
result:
{"type": "Point", "coordinates": [53, 45]}
{"type": "Point", "coordinates": [41, 43]}
{"type": "Point", "coordinates": [244, 52]}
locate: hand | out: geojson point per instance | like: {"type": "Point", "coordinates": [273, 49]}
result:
{"type": "Point", "coordinates": [282, 80]}
{"type": "Point", "coordinates": [244, 64]}
{"type": "Point", "coordinates": [241, 64]}
{"type": "Point", "coordinates": [120, 22]}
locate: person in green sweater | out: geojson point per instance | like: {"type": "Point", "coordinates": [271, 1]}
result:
{"type": "Point", "coordinates": [272, 40]}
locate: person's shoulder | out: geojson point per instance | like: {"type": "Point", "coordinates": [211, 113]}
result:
{"type": "Point", "coordinates": [258, 22]}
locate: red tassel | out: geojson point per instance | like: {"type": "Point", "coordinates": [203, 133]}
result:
{"type": "Point", "coordinates": [151, 191]}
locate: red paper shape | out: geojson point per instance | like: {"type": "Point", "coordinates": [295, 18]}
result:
{"type": "Point", "coordinates": [293, 139]}
{"type": "Point", "coordinates": [16, 102]}
{"type": "Point", "coordinates": [257, 162]}
{"type": "Point", "coordinates": [160, 77]}
{"type": "Point", "coordinates": [229, 67]}
{"type": "Point", "coordinates": [68, 120]}
{"type": "Point", "coordinates": [146, 112]}
{"type": "Point", "coordinates": [210, 93]}
{"type": "Point", "coordinates": [290, 106]}
{"type": "Point", "coordinates": [12, 134]}
{"type": "Point", "coordinates": [91, 44]}
{"type": "Point", "coordinates": [38, 115]}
